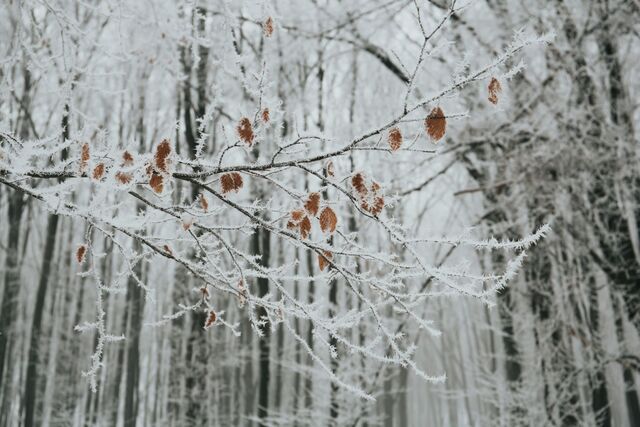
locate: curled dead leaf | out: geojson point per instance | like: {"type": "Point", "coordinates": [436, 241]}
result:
{"type": "Point", "coordinates": [245, 131]}
{"type": "Point", "coordinates": [98, 171]}
{"type": "Point", "coordinates": [161, 158]}
{"type": "Point", "coordinates": [84, 157]}
{"type": "Point", "coordinates": [328, 220]}
{"type": "Point", "coordinates": [323, 260]}
{"type": "Point", "coordinates": [297, 215]}
{"type": "Point", "coordinates": [358, 183]}
{"type": "Point", "coordinates": [231, 181]}
{"type": "Point", "coordinates": [305, 227]}
{"type": "Point", "coordinates": [313, 203]}
{"type": "Point", "coordinates": [211, 319]}
{"type": "Point", "coordinates": [267, 27]}
{"type": "Point", "coordinates": [395, 139]}
{"type": "Point", "coordinates": [329, 169]}
{"type": "Point", "coordinates": [378, 205]}
{"type": "Point", "coordinates": [123, 178]}
{"type": "Point", "coordinates": [80, 253]}
{"type": "Point", "coordinates": [204, 203]}
{"type": "Point", "coordinates": [436, 124]}
{"type": "Point", "coordinates": [494, 90]}
{"type": "Point", "coordinates": [127, 159]}
{"type": "Point", "coordinates": [156, 182]}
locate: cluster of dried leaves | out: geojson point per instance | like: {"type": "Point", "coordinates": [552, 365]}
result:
{"type": "Point", "coordinates": [99, 171]}
{"type": "Point", "coordinates": [159, 169]}
{"type": "Point", "coordinates": [300, 219]}
{"type": "Point", "coordinates": [121, 176]}
{"type": "Point", "coordinates": [369, 195]}
{"type": "Point", "coordinates": [367, 191]}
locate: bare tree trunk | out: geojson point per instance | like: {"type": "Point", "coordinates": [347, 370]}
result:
{"type": "Point", "coordinates": [279, 353]}
{"type": "Point", "coordinates": [264, 343]}
{"type": "Point", "coordinates": [34, 347]}
{"type": "Point", "coordinates": [621, 117]}
{"type": "Point", "coordinates": [11, 290]}
{"type": "Point", "coordinates": [135, 301]}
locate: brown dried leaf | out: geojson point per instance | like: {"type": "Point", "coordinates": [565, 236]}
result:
{"type": "Point", "coordinates": [80, 253]}
{"type": "Point", "coordinates": [167, 249]}
{"type": "Point", "coordinates": [323, 260]}
{"type": "Point", "coordinates": [237, 180]}
{"type": "Point", "coordinates": [313, 203]}
{"type": "Point", "coordinates": [163, 151]}
{"type": "Point", "coordinates": [357, 182]}
{"type": "Point", "coordinates": [204, 203]}
{"type": "Point", "coordinates": [186, 224]}
{"type": "Point", "coordinates": [226, 181]}
{"type": "Point", "coordinates": [211, 319]}
{"type": "Point", "coordinates": [494, 90]}
{"type": "Point", "coordinates": [267, 27]}
{"type": "Point", "coordinates": [297, 215]}
{"type": "Point", "coordinates": [305, 227]}
{"type": "Point", "coordinates": [245, 130]}
{"type": "Point", "coordinates": [436, 124]}
{"type": "Point", "coordinates": [205, 292]}
{"type": "Point", "coordinates": [127, 159]}
{"type": "Point", "coordinates": [84, 157]}
{"type": "Point", "coordinates": [328, 220]}
{"type": "Point", "coordinates": [98, 171]}
{"type": "Point", "coordinates": [156, 182]}
{"type": "Point", "coordinates": [329, 169]}
{"type": "Point", "coordinates": [378, 205]}
{"type": "Point", "coordinates": [123, 178]}
{"type": "Point", "coordinates": [395, 139]}
{"type": "Point", "coordinates": [265, 115]}
{"type": "Point", "coordinates": [231, 181]}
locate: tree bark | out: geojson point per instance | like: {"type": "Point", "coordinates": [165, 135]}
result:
{"type": "Point", "coordinates": [264, 343]}
{"type": "Point", "coordinates": [34, 346]}
{"type": "Point", "coordinates": [135, 301]}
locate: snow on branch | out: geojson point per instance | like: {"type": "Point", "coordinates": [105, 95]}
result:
{"type": "Point", "coordinates": [205, 212]}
